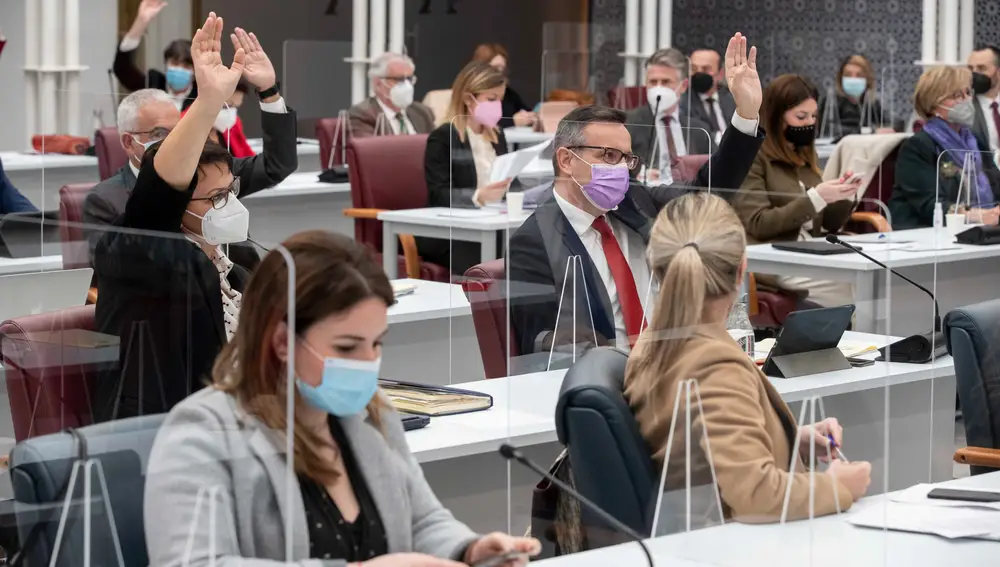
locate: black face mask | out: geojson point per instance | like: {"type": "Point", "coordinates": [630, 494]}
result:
{"type": "Point", "coordinates": [800, 136]}
{"type": "Point", "coordinates": [701, 83]}
{"type": "Point", "coordinates": [981, 84]}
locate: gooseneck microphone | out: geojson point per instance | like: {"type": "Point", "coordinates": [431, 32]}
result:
{"type": "Point", "coordinates": [512, 453]}
{"type": "Point", "coordinates": [915, 348]}
{"type": "Point", "coordinates": [652, 141]}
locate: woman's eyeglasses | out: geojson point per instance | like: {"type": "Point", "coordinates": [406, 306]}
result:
{"type": "Point", "coordinates": [613, 156]}
{"type": "Point", "coordinates": [220, 198]}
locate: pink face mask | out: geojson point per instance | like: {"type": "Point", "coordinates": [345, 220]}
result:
{"type": "Point", "coordinates": [488, 112]}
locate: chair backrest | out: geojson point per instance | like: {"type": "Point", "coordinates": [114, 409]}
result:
{"type": "Point", "coordinates": [40, 473]}
{"type": "Point", "coordinates": [438, 101]}
{"type": "Point", "coordinates": [973, 333]}
{"type": "Point", "coordinates": [484, 286]}
{"type": "Point", "coordinates": [611, 462]}
{"type": "Point", "coordinates": [387, 172]}
{"type": "Point", "coordinates": [326, 129]}
{"type": "Point", "coordinates": [48, 381]}
{"type": "Point", "coordinates": [627, 98]}
{"type": "Point", "coordinates": [75, 252]}
{"type": "Point", "coordinates": [550, 113]}
{"type": "Point", "coordinates": [686, 168]}
{"type": "Point", "coordinates": [111, 155]}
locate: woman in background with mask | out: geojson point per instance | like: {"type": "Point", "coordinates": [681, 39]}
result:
{"type": "Point", "coordinates": [943, 156]}
{"type": "Point", "coordinates": [784, 196]}
{"type": "Point", "coordinates": [515, 111]}
{"type": "Point", "coordinates": [858, 108]}
{"type": "Point", "coordinates": [359, 497]}
{"type": "Point", "coordinates": [460, 155]}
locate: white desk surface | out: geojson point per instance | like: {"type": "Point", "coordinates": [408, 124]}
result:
{"type": "Point", "coordinates": [439, 217]}
{"type": "Point", "coordinates": [922, 238]}
{"type": "Point", "coordinates": [302, 183]}
{"type": "Point", "coordinates": [21, 161]}
{"type": "Point", "coordinates": [431, 300]}
{"type": "Point", "coordinates": [304, 147]}
{"type": "Point", "coordinates": [829, 541]}
{"type": "Point", "coordinates": [525, 135]}
{"type": "Point", "coordinates": [33, 264]}
{"type": "Point", "coordinates": [524, 406]}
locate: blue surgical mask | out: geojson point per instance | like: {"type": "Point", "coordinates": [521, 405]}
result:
{"type": "Point", "coordinates": [346, 388]}
{"type": "Point", "coordinates": [854, 86]}
{"type": "Point", "coordinates": [178, 78]}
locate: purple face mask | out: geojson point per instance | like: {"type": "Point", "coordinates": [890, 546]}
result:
{"type": "Point", "coordinates": [608, 184]}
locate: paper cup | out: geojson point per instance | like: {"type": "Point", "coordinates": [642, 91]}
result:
{"type": "Point", "coordinates": [955, 222]}
{"type": "Point", "coordinates": [515, 204]}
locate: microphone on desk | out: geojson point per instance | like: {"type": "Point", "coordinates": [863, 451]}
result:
{"type": "Point", "coordinates": [512, 453]}
{"type": "Point", "coordinates": [918, 348]}
{"type": "Point", "coordinates": [653, 139]}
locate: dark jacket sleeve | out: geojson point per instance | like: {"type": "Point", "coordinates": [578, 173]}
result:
{"type": "Point", "coordinates": [529, 271]}
{"type": "Point", "coordinates": [916, 175]}
{"type": "Point", "coordinates": [279, 158]}
{"type": "Point", "coordinates": [97, 213]}
{"type": "Point", "coordinates": [11, 200]}
{"type": "Point", "coordinates": [133, 78]}
{"type": "Point", "coordinates": [445, 186]}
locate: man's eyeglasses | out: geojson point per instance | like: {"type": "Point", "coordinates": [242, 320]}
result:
{"type": "Point", "coordinates": [155, 135]}
{"type": "Point", "coordinates": [220, 198]}
{"type": "Point", "coordinates": [613, 156]}
{"type": "Point", "coordinates": [400, 78]}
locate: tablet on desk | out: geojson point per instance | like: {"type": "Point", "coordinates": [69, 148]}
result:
{"type": "Point", "coordinates": [815, 247]}
{"type": "Point", "coordinates": [810, 331]}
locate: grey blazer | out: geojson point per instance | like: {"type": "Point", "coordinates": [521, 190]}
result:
{"type": "Point", "coordinates": [210, 445]}
{"type": "Point", "coordinates": [979, 127]}
{"type": "Point", "coordinates": [639, 122]}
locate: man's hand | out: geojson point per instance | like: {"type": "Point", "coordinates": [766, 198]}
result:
{"type": "Point", "coordinates": [216, 82]}
{"type": "Point", "coordinates": [742, 78]}
{"type": "Point", "coordinates": [149, 9]}
{"type": "Point", "coordinates": [257, 67]}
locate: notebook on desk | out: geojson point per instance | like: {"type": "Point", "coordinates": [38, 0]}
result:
{"type": "Point", "coordinates": [423, 399]}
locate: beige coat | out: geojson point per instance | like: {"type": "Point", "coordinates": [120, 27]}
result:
{"type": "Point", "coordinates": [750, 430]}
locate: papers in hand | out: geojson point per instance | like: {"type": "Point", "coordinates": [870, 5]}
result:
{"type": "Point", "coordinates": [510, 164]}
{"type": "Point", "coordinates": [911, 511]}
{"type": "Point", "coordinates": [401, 288]}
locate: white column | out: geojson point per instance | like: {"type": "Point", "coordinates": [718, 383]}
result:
{"type": "Point", "coordinates": [71, 64]}
{"type": "Point", "coordinates": [376, 31]}
{"type": "Point", "coordinates": [928, 37]}
{"type": "Point", "coordinates": [51, 43]}
{"type": "Point", "coordinates": [666, 23]}
{"type": "Point", "coordinates": [631, 42]}
{"type": "Point", "coordinates": [940, 54]}
{"type": "Point", "coordinates": [397, 19]}
{"type": "Point", "coordinates": [648, 26]}
{"type": "Point", "coordinates": [949, 47]}
{"type": "Point", "coordinates": [359, 49]}
{"type": "Point", "coordinates": [967, 28]}
{"type": "Point", "coordinates": [32, 57]}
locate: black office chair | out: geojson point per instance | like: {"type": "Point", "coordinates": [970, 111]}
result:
{"type": "Point", "coordinates": [612, 465]}
{"type": "Point", "coordinates": [40, 470]}
{"type": "Point", "coordinates": [973, 335]}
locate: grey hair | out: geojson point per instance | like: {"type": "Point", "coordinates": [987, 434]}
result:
{"type": "Point", "coordinates": [672, 58]}
{"type": "Point", "coordinates": [128, 110]}
{"type": "Point", "coordinates": [570, 130]}
{"type": "Point", "coordinates": [380, 65]}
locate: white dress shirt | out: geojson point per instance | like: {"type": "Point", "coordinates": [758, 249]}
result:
{"type": "Point", "coordinates": [986, 104]}
{"type": "Point", "coordinates": [633, 250]}
{"type": "Point", "coordinates": [390, 115]}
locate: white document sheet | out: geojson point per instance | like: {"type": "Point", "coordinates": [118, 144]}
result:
{"type": "Point", "coordinates": [511, 164]}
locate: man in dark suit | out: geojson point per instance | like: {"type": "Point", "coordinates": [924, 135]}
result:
{"type": "Point", "coordinates": [708, 99]}
{"type": "Point", "coordinates": [148, 115]}
{"type": "Point", "coordinates": [595, 213]}
{"type": "Point", "coordinates": [985, 66]}
{"type": "Point", "coordinates": [392, 110]}
{"type": "Point", "coordinates": [661, 131]}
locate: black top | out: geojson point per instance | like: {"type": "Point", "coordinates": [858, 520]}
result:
{"type": "Point", "coordinates": [332, 537]}
{"type": "Point", "coordinates": [133, 78]}
{"type": "Point", "coordinates": [512, 104]}
{"type": "Point", "coordinates": [849, 113]}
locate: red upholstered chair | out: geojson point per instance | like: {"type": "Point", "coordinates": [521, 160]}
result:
{"type": "Point", "coordinates": [918, 125]}
{"type": "Point", "coordinates": [110, 155]}
{"type": "Point", "coordinates": [74, 246]}
{"type": "Point", "coordinates": [325, 130]}
{"type": "Point", "coordinates": [627, 98]}
{"type": "Point", "coordinates": [484, 286]}
{"type": "Point", "coordinates": [769, 309]}
{"type": "Point", "coordinates": [387, 174]}
{"type": "Point", "coordinates": [48, 381]}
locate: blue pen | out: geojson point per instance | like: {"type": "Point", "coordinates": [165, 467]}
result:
{"type": "Point", "coordinates": [840, 454]}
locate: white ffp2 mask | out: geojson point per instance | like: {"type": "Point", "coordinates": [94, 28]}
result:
{"type": "Point", "coordinates": [226, 119]}
{"type": "Point", "coordinates": [228, 225]}
{"type": "Point", "coordinates": [401, 94]}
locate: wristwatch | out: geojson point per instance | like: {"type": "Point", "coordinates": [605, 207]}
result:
{"type": "Point", "coordinates": [269, 92]}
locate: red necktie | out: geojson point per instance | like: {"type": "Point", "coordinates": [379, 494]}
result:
{"type": "Point", "coordinates": [628, 296]}
{"type": "Point", "coordinates": [671, 146]}
{"type": "Point", "coordinates": [996, 118]}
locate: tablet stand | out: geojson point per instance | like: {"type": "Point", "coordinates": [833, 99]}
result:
{"type": "Point", "coordinates": [812, 362]}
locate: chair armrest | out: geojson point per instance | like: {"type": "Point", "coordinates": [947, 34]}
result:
{"type": "Point", "coordinates": [978, 457]}
{"type": "Point", "coordinates": [92, 296]}
{"type": "Point", "coordinates": [876, 220]}
{"type": "Point", "coordinates": [752, 294]}
{"type": "Point", "coordinates": [410, 255]}
{"type": "Point", "coordinates": [363, 213]}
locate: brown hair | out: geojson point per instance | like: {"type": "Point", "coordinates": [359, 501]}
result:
{"type": "Point", "coordinates": [866, 69]}
{"type": "Point", "coordinates": [784, 93]}
{"type": "Point", "coordinates": [473, 79]}
{"type": "Point", "coordinates": [935, 85]}
{"type": "Point", "coordinates": [696, 248]}
{"type": "Point", "coordinates": [332, 274]}
{"type": "Point", "coordinates": [485, 52]}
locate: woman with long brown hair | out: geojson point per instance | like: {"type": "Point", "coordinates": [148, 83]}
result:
{"type": "Point", "coordinates": [357, 495]}
{"type": "Point", "coordinates": [697, 251]}
{"type": "Point", "coordinates": [784, 197]}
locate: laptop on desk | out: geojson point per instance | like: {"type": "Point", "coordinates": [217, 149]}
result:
{"type": "Point", "coordinates": [27, 235]}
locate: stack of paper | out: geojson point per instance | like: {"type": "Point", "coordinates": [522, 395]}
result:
{"type": "Point", "coordinates": [850, 349]}
{"type": "Point", "coordinates": [510, 164]}
{"type": "Point", "coordinates": [911, 511]}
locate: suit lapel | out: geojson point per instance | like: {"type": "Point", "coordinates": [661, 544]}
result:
{"type": "Point", "coordinates": [208, 280]}
{"type": "Point", "coordinates": [629, 214]}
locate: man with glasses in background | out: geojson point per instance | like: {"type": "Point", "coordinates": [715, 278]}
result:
{"type": "Point", "coordinates": [392, 109]}
{"type": "Point", "coordinates": [148, 115]}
